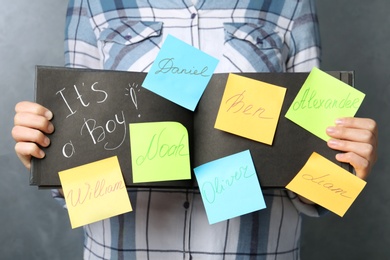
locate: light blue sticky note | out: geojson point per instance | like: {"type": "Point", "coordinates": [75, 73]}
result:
{"type": "Point", "coordinates": [229, 187]}
{"type": "Point", "coordinates": [180, 73]}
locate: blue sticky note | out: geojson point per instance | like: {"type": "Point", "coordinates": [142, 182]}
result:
{"type": "Point", "coordinates": [180, 73]}
{"type": "Point", "coordinates": [229, 187]}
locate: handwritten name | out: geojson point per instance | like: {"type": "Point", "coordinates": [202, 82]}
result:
{"type": "Point", "coordinates": [162, 150]}
{"type": "Point", "coordinates": [167, 66]}
{"type": "Point", "coordinates": [310, 100]}
{"type": "Point", "coordinates": [326, 184]}
{"type": "Point", "coordinates": [237, 104]}
{"type": "Point", "coordinates": [92, 191]}
{"type": "Point", "coordinates": [212, 189]}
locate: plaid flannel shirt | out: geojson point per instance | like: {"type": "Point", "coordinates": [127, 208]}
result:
{"type": "Point", "coordinates": [246, 36]}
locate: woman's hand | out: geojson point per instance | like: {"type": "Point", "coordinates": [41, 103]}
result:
{"type": "Point", "coordinates": [31, 124]}
{"type": "Point", "coordinates": [357, 138]}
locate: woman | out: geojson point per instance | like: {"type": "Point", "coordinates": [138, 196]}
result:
{"type": "Point", "coordinates": [246, 36]}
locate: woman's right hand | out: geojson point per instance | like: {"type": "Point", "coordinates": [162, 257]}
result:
{"type": "Point", "coordinates": [31, 124]}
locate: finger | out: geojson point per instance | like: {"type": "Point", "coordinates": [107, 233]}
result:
{"type": "Point", "coordinates": [352, 134]}
{"type": "Point", "coordinates": [362, 149]}
{"type": "Point", "coordinates": [25, 150]}
{"type": "Point", "coordinates": [26, 134]}
{"type": "Point", "coordinates": [358, 123]}
{"type": "Point", "coordinates": [26, 160]}
{"type": "Point", "coordinates": [33, 121]}
{"type": "Point", "coordinates": [361, 165]}
{"type": "Point", "coordinates": [33, 108]}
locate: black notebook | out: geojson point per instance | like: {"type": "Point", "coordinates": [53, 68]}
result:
{"type": "Point", "coordinates": [110, 100]}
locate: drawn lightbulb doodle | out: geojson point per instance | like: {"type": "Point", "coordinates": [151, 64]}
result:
{"type": "Point", "coordinates": [132, 92]}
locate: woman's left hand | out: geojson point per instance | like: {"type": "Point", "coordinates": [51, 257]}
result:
{"type": "Point", "coordinates": [357, 139]}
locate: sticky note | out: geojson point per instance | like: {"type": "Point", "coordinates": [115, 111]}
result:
{"type": "Point", "coordinates": [94, 192]}
{"type": "Point", "coordinates": [321, 100]}
{"type": "Point", "coordinates": [327, 184]}
{"type": "Point", "coordinates": [180, 73]}
{"type": "Point", "coordinates": [159, 152]}
{"type": "Point", "coordinates": [229, 187]}
{"type": "Point", "coordinates": [250, 108]}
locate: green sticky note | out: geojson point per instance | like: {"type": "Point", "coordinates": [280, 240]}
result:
{"type": "Point", "coordinates": [321, 100]}
{"type": "Point", "coordinates": [159, 152]}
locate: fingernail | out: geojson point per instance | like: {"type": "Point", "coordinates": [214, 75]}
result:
{"type": "Point", "coordinates": [333, 143]}
{"type": "Point", "coordinates": [339, 121]}
{"type": "Point", "coordinates": [49, 115]}
{"type": "Point", "coordinates": [330, 130]}
{"type": "Point", "coordinates": [41, 154]}
{"type": "Point", "coordinates": [340, 156]}
{"type": "Point", "coordinates": [50, 128]}
{"type": "Point", "coordinates": [46, 141]}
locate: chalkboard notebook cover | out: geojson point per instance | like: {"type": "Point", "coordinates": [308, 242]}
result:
{"type": "Point", "coordinates": [111, 100]}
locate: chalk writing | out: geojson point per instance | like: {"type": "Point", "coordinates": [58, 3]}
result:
{"type": "Point", "coordinates": [80, 97]}
{"type": "Point", "coordinates": [211, 190]}
{"type": "Point", "coordinates": [310, 101]}
{"type": "Point", "coordinates": [98, 133]}
{"type": "Point", "coordinates": [92, 191]}
{"type": "Point", "coordinates": [133, 95]}
{"type": "Point", "coordinates": [167, 66]}
{"type": "Point", "coordinates": [236, 104]}
{"type": "Point", "coordinates": [161, 150]}
{"type": "Point", "coordinates": [322, 182]}
{"type": "Point", "coordinates": [68, 150]}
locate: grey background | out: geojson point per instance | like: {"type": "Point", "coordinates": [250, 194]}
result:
{"type": "Point", "coordinates": [355, 36]}
{"type": "Point", "coordinates": [32, 226]}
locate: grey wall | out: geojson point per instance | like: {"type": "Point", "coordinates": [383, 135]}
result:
{"type": "Point", "coordinates": [355, 36]}
{"type": "Point", "coordinates": [33, 226]}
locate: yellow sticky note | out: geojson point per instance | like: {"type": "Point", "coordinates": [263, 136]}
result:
{"type": "Point", "coordinates": [159, 152]}
{"type": "Point", "coordinates": [250, 108]}
{"type": "Point", "coordinates": [327, 184]}
{"type": "Point", "coordinates": [94, 191]}
{"type": "Point", "coordinates": [321, 100]}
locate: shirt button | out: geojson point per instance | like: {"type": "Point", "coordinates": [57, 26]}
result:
{"type": "Point", "coordinates": [128, 37]}
{"type": "Point", "coordinates": [193, 15]}
{"type": "Point", "coordinates": [186, 205]}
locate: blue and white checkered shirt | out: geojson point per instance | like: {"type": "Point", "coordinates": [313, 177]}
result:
{"type": "Point", "coordinates": [246, 36]}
